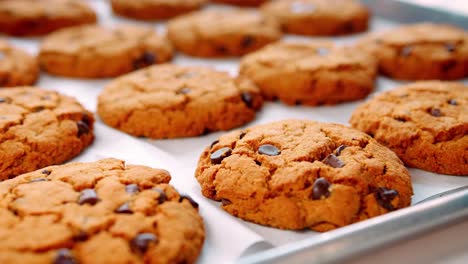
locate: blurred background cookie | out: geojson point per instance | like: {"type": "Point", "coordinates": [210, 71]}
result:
{"type": "Point", "coordinates": [154, 9]}
{"type": "Point", "coordinates": [17, 67]}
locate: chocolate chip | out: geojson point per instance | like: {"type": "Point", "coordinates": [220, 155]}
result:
{"type": "Point", "coordinates": [321, 189]}
{"type": "Point", "coordinates": [247, 41]}
{"type": "Point", "coordinates": [192, 202]}
{"type": "Point", "coordinates": [83, 128]}
{"type": "Point", "coordinates": [333, 161]}
{"type": "Point", "coordinates": [436, 112]}
{"type": "Point", "coordinates": [322, 51]}
{"type": "Point", "coordinates": [298, 102]}
{"type": "Point", "coordinates": [450, 47]}
{"type": "Point", "coordinates": [46, 172]}
{"type": "Point", "coordinates": [340, 149]}
{"type": "Point", "coordinates": [38, 180]}
{"type": "Point", "coordinates": [80, 236]}
{"type": "Point", "coordinates": [269, 150]}
{"type": "Point", "coordinates": [214, 143]}
{"type": "Point", "coordinates": [225, 202]}
{"type": "Point", "coordinates": [142, 241]}
{"type": "Point", "coordinates": [221, 49]}
{"type": "Point", "coordinates": [301, 7]}
{"type": "Point", "coordinates": [64, 256]}
{"type": "Point", "coordinates": [247, 99]}
{"type": "Point", "coordinates": [218, 156]}
{"type": "Point", "coordinates": [258, 163]}
{"type": "Point", "coordinates": [38, 109]}
{"type": "Point", "coordinates": [242, 134]}
{"type": "Point", "coordinates": [124, 209]}
{"type": "Point", "coordinates": [88, 196]}
{"type": "Point", "coordinates": [184, 90]}
{"type": "Point", "coordinates": [385, 197]}
{"type": "Point", "coordinates": [145, 60]}
{"type": "Point", "coordinates": [132, 188]}
{"type": "Point", "coordinates": [406, 51]}
{"type": "Point", "coordinates": [162, 195]}
{"type": "Point", "coordinates": [400, 119]}
{"type": "Point", "coordinates": [452, 102]}
{"type": "Point", "coordinates": [448, 65]}
{"type": "Point", "coordinates": [87, 119]}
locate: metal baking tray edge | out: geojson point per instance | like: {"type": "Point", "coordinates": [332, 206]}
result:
{"type": "Point", "coordinates": [358, 238]}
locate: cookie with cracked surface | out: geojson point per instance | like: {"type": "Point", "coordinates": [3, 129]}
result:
{"type": "Point", "coordinates": [319, 17]}
{"type": "Point", "coordinates": [310, 73]}
{"type": "Point", "coordinates": [97, 212]}
{"type": "Point", "coordinates": [298, 174]}
{"type": "Point", "coordinates": [40, 17]}
{"type": "Point", "coordinates": [242, 2]}
{"type": "Point", "coordinates": [98, 52]}
{"type": "Point", "coordinates": [424, 123]}
{"type": "Point", "coordinates": [168, 101]}
{"type": "Point", "coordinates": [39, 128]}
{"type": "Point", "coordinates": [420, 52]}
{"type": "Point", "coordinates": [155, 9]}
{"type": "Point", "coordinates": [221, 33]}
{"type": "Point", "coordinates": [17, 67]}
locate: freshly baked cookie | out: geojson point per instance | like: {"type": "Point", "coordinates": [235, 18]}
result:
{"type": "Point", "coordinates": [17, 67]}
{"type": "Point", "coordinates": [39, 17]}
{"type": "Point", "coordinates": [96, 52]}
{"type": "Point", "coordinates": [169, 101]}
{"type": "Point", "coordinates": [319, 17]}
{"type": "Point", "coordinates": [420, 52]}
{"type": "Point", "coordinates": [218, 33]}
{"type": "Point", "coordinates": [242, 2]}
{"type": "Point", "coordinates": [155, 9]}
{"type": "Point", "coordinates": [39, 128]}
{"type": "Point", "coordinates": [97, 212]}
{"type": "Point", "coordinates": [424, 123]}
{"type": "Point", "coordinates": [297, 174]}
{"type": "Point", "coordinates": [310, 73]}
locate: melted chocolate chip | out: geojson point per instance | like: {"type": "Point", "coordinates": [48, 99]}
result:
{"type": "Point", "coordinates": [385, 197]}
{"type": "Point", "coordinates": [162, 195]}
{"type": "Point", "coordinates": [192, 202]}
{"type": "Point", "coordinates": [258, 163]}
{"type": "Point", "coordinates": [184, 90]}
{"type": "Point", "coordinates": [218, 156]}
{"type": "Point", "coordinates": [448, 65]}
{"type": "Point", "coordinates": [83, 128]}
{"type": "Point", "coordinates": [145, 60]}
{"type": "Point", "coordinates": [452, 102]}
{"type": "Point", "coordinates": [38, 180]}
{"type": "Point", "coordinates": [247, 99]}
{"type": "Point", "coordinates": [64, 256]}
{"type": "Point", "coordinates": [88, 196]}
{"type": "Point", "coordinates": [247, 41]}
{"type": "Point", "coordinates": [298, 102]}
{"type": "Point", "coordinates": [124, 209]}
{"type": "Point", "coordinates": [400, 119]}
{"type": "Point", "coordinates": [450, 47]}
{"type": "Point", "coordinates": [214, 143]}
{"type": "Point", "coordinates": [80, 236]}
{"type": "Point", "coordinates": [225, 202]}
{"type": "Point", "coordinates": [340, 149]}
{"type": "Point", "coordinates": [87, 119]}
{"type": "Point", "coordinates": [436, 112]}
{"type": "Point", "coordinates": [269, 150]}
{"type": "Point", "coordinates": [406, 51]}
{"type": "Point", "coordinates": [333, 161]}
{"type": "Point", "coordinates": [142, 241]}
{"type": "Point", "coordinates": [242, 134]}
{"type": "Point", "coordinates": [321, 189]}
{"type": "Point", "coordinates": [46, 172]}
{"type": "Point", "coordinates": [132, 188]}
{"type": "Point", "coordinates": [322, 51]}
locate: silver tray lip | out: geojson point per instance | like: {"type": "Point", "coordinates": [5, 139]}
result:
{"type": "Point", "coordinates": [350, 241]}
{"type": "Point", "coordinates": [358, 238]}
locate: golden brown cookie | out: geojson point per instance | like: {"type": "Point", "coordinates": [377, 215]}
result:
{"type": "Point", "coordinates": [310, 73]}
{"type": "Point", "coordinates": [155, 9]}
{"type": "Point", "coordinates": [425, 123]}
{"type": "Point", "coordinates": [97, 212]}
{"type": "Point", "coordinates": [39, 17]}
{"type": "Point", "coordinates": [97, 52]}
{"type": "Point", "coordinates": [168, 101]}
{"type": "Point", "coordinates": [297, 174]}
{"type": "Point", "coordinates": [220, 33]}
{"type": "Point", "coordinates": [40, 128]}
{"type": "Point", "coordinates": [242, 2]}
{"type": "Point", "coordinates": [319, 17]}
{"type": "Point", "coordinates": [420, 52]}
{"type": "Point", "coordinates": [17, 67]}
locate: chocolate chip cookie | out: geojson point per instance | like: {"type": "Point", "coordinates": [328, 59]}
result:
{"type": "Point", "coordinates": [420, 52]}
{"type": "Point", "coordinates": [17, 67]}
{"type": "Point", "coordinates": [39, 128]}
{"type": "Point", "coordinates": [319, 17]}
{"type": "Point", "coordinates": [98, 212]}
{"type": "Point", "coordinates": [297, 174]}
{"type": "Point", "coordinates": [242, 2]}
{"type": "Point", "coordinates": [310, 73]}
{"type": "Point", "coordinates": [424, 123]}
{"type": "Point", "coordinates": [220, 33]}
{"type": "Point", "coordinates": [40, 17]}
{"type": "Point", "coordinates": [155, 9]}
{"type": "Point", "coordinates": [168, 101]}
{"type": "Point", "coordinates": [97, 52]}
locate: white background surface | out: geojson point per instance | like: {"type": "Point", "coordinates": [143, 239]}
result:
{"type": "Point", "coordinates": [227, 236]}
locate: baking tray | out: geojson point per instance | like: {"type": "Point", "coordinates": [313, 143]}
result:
{"type": "Point", "coordinates": [232, 240]}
